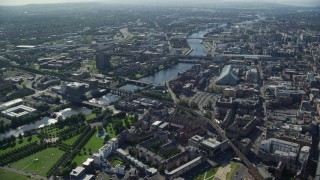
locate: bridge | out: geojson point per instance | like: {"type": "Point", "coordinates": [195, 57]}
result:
{"type": "Point", "coordinates": [140, 83]}
{"type": "Point", "coordinates": [249, 56]}
{"type": "Point", "coordinates": [194, 61]}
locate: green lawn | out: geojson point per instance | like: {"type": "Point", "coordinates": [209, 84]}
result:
{"type": "Point", "coordinates": [94, 144]}
{"type": "Point", "coordinates": [234, 167]}
{"type": "Point", "coordinates": [138, 76]}
{"type": "Point", "coordinates": [25, 142]}
{"type": "Point", "coordinates": [210, 173]}
{"type": "Point", "coordinates": [46, 159]}
{"type": "Point", "coordinates": [116, 161]}
{"type": "Point", "coordinates": [111, 131]}
{"type": "Point", "coordinates": [5, 175]}
{"type": "Point", "coordinates": [72, 140]}
{"type": "Point", "coordinates": [52, 130]}
{"type": "Point", "coordinates": [91, 116]}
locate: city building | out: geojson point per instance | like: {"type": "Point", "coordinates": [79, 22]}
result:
{"type": "Point", "coordinates": [18, 111]}
{"type": "Point", "coordinates": [103, 61]}
{"type": "Point", "coordinates": [227, 77]}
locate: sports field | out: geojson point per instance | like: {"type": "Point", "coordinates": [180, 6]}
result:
{"type": "Point", "coordinates": [39, 163]}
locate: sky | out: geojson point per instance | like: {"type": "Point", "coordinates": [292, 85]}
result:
{"type": "Point", "coordinates": [24, 2]}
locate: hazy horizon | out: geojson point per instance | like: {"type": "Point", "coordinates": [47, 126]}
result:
{"type": "Point", "coordinates": [307, 3]}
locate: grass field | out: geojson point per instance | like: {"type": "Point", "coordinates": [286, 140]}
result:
{"type": "Point", "coordinates": [138, 76]}
{"type": "Point", "coordinates": [208, 174]}
{"type": "Point", "coordinates": [72, 140]}
{"type": "Point", "coordinates": [45, 161]}
{"type": "Point", "coordinates": [53, 131]}
{"type": "Point", "coordinates": [25, 142]}
{"type": "Point", "coordinates": [111, 131]}
{"type": "Point", "coordinates": [91, 116]}
{"type": "Point", "coordinates": [94, 144]}
{"type": "Point", "coordinates": [5, 175]}
{"type": "Point", "coordinates": [116, 161]}
{"type": "Point", "coordinates": [234, 167]}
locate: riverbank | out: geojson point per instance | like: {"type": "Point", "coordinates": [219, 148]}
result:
{"type": "Point", "coordinates": [188, 52]}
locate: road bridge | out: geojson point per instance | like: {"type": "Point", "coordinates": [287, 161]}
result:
{"type": "Point", "coordinates": [140, 83]}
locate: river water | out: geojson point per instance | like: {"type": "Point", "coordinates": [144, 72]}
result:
{"type": "Point", "coordinates": [158, 78]}
{"type": "Point", "coordinates": [198, 48]}
{"type": "Point", "coordinates": [195, 39]}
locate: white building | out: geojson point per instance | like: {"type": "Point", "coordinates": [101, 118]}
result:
{"type": "Point", "coordinates": [304, 153]}
{"type": "Point", "coordinates": [18, 111]}
{"type": "Point", "coordinates": [9, 104]}
{"type": "Point", "coordinates": [272, 144]}
{"type": "Point", "coordinates": [107, 149]}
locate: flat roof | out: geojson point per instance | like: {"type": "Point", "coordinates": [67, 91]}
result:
{"type": "Point", "coordinates": [184, 166]}
{"type": "Point", "coordinates": [77, 171]}
{"type": "Point", "coordinates": [26, 46]}
{"type": "Point", "coordinates": [163, 125]}
{"type": "Point", "coordinates": [11, 103]}
{"type": "Point", "coordinates": [156, 123]}
{"type": "Point", "coordinates": [211, 143]}
{"type": "Point", "coordinates": [284, 142]}
{"type": "Point", "coordinates": [197, 138]}
{"type": "Point", "coordinates": [87, 162]}
{"type": "Point", "coordinates": [12, 112]}
{"type": "Point", "coordinates": [265, 174]}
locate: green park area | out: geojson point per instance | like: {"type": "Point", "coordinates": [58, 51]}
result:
{"type": "Point", "coordinates": [92, 146]}
{"type": "Point", "coordinates": [116, 161]}
{"type": "Point", "coordinates": [41, 162]}
{"type": "Point", "coordinates": [72, 140]}
{"type": "Point", "coordinates": [53, 131]}
{"type": "Point", "coordinates": [6, 175]}
{"type": "Point", "coordinates": [234, 167]}
{"type": "Point", "coordinates": [208, 174]}
{"type": "Point", "coordinates": [18, 143]}
{"type": "Point", "coordinates": [138, 76]}
{"type": "Point", "coordinates": [91, 116]}
{"type": "Point", "coordinates": [110, 131]}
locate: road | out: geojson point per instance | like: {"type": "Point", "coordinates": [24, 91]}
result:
{"type": "Point", "coordinates": [173, 95]}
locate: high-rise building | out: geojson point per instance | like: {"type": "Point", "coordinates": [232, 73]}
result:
{"type": "Point", "coordinates": [103, 62]}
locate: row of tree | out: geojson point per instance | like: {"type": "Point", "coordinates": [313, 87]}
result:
{"type": "Point", "coordinates": [21, 152]}
{"type": "Point", "coordinates": [64, 165]}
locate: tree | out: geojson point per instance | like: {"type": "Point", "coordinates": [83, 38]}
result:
{"type": "Point", "coordinates": [106, 138]}
{"type": "Point", "coordinates": [12, 138]}
{"type": "Point", "coordinates": [184, 103]}
{"type": "Point", "coordinates": [135, 117]}
{"type": "Point", "coordinates": [194, 105]}
{"type": "Point", "coordinates": [100, 129]}
{"type": "Point", "coordinates": [20, 136]}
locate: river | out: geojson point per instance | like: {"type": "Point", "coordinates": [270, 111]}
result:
{"type": "Point", "coordinates": [195, 39]}
{"type": "Point", "coordinates": [158, 78]}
